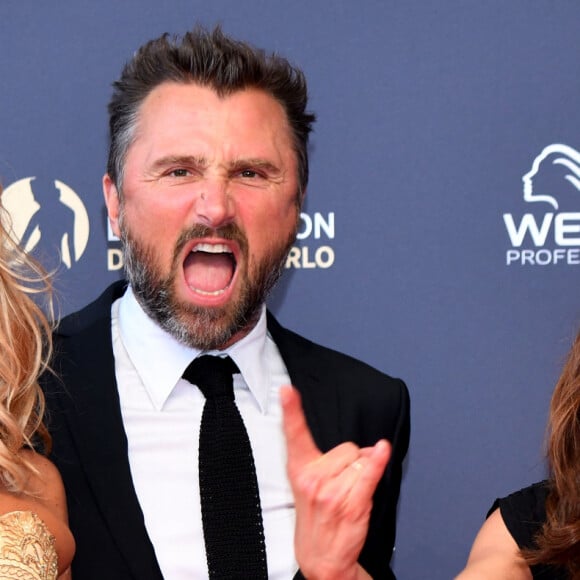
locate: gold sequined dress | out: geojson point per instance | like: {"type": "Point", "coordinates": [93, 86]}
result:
{"type": "Point", "coordinates": [27, 549]}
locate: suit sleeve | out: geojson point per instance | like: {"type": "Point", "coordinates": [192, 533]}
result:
{"type": "Point", "coordinates": [378, 549]}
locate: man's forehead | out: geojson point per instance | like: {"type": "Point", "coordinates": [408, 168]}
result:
{"type": "Point", "coordinates": [200, 100]}
{"type": "Point", "coordinates": [179, 110]}
{"type": "Point", "coordinates": [197, 91]}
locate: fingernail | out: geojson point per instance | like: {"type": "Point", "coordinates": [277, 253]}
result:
{"type": "Point", "coordinates": [381, 445]}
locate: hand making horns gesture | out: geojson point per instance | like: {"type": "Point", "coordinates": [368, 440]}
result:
{"type": "Point", "coordinates": [333, 494]}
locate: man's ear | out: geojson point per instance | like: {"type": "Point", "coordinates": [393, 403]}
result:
{"type": "Point", "coordinates": [112, 202]}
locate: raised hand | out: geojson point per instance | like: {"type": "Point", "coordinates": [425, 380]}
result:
{"type": "Point", "coordinates": [333, 496]}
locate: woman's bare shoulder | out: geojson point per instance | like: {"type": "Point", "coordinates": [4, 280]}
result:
{"type": "Point", "coordinates": [495, 554]}
{"type": "Point", "coordinates": [46, 483]}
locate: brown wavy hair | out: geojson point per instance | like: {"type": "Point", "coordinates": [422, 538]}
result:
{"type": "Point", "coordinates": [558, 543]}
{"type": "Point", "coordinates": [25, 349]}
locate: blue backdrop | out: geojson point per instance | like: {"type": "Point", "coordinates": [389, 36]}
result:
{"type": "Point", "coordinates": [440, 240]}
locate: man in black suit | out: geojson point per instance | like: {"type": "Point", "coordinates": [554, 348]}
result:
{"type": "Point", "coordinates": [206, 175]}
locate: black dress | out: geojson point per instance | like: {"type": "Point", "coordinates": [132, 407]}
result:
{"type": "Point", "coordinates": [524, 513]}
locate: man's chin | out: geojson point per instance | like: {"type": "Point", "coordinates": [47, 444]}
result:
{"type": "Point", "coordinates": [207, 328]}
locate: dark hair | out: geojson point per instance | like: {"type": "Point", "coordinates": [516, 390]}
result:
{"type": "Point", "coordinates": [209, 59]}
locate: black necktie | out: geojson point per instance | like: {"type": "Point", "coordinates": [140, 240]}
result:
{"type": "Point", "coordinates": [230, 501]}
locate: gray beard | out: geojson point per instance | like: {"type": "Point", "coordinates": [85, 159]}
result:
{"type": "Point", "coordinates": [203, 328]}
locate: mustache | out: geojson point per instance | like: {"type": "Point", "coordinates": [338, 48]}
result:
{"type": "Point", "coordinates": [228, 232]}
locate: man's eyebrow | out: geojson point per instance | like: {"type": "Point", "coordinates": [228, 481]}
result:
{"type": "Point", "coordinates": [185, 160]}
{"type": "Point", "coordinates": [255, 163]}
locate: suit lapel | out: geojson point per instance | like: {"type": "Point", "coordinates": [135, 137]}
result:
{"type": "Point", "coordinates": [95, 421]}
{"type": "Point", "coordinates": [316, 386]}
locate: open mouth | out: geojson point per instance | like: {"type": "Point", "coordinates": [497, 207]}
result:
{"type": "Point", "coordinates": [210, 268]}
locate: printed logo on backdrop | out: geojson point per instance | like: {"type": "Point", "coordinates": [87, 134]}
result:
{"type": "Point", "coordinates": [547, 232]}
{"type": "Point", "coordinates": [313, 250]}
{"type": "Point", "coordinates": [48, 219]}
{"type": "Point", "coordinates": [315, 233]}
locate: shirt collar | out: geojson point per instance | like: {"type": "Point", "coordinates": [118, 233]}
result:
{"type": "Point", "coordinates": [145, 341]}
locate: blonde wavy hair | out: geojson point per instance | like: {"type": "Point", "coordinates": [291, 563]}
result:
{"type": "Point", "coordinates": [25, 349]}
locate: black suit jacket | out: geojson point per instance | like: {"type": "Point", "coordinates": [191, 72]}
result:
{"type": "Point", "coordinates": [343, 399]}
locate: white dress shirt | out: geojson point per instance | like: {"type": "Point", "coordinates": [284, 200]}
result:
{"type": "Point", "coordinates": [162, 413]}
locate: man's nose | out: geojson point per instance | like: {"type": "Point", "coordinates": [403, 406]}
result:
{"type": "Point", "coordinates": [214, 205]}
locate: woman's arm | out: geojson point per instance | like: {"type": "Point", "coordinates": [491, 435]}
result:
{"type": "Point", "coordinates": [495, 554]}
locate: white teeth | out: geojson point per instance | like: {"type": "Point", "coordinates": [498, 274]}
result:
{"type": "Point", "coordinates": [206, 293]}
{"type": "Point", "coordinates": [212, 248]}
